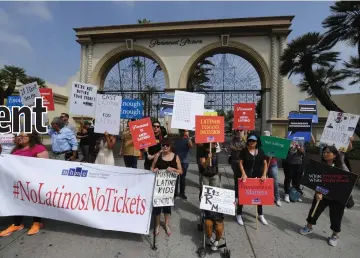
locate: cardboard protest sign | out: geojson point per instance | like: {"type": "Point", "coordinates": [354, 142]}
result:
{"type": "Point", "coordinates": [218, 200]}
{"type": "Point", "coordinates": [299, 127]}
{"type": "Point", "coordinates": [164, 189]}
{"type": "Point", "coordinates": [107, 114]}
{"type": "Point", "coordinates": [132, 109]}
{"type": "Point", "coordinates": [255, 192]}
{"type": "Point", "coordinates": [275, 147]}
{"type": "Point", "coordinates": [332, 182]}
{"type": "Point", "coordinates": [28, 93]}
{"type": "Point", "coordinates": [48, 98]}
{"type": "Point", "coordinates": [14, 101]}
{"type": "Point", "coordinates": [83, 99]}
{"type": "Point", "coordinates": [142, 133]}
{"type": "Point", "coordinates": [309, 107]}
{"type": "Point", "coordinates": [209, 129]}
{"type": "Point", "coordinates": [187, 106]}
{"type": "Point", "coordinates": [338, 129]}
{"type": "Point", "coordinates": [244, 116]}
{"type": "Point", "coordinates": [166, 106]}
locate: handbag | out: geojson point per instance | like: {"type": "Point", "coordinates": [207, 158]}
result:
{"type": "Point", "coordinates": [350, 202]}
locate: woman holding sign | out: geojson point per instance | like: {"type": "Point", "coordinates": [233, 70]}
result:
{"type": "Point", "coordinates": [169, 161]}
{"type": "Point", "coordinates": [106, 154]}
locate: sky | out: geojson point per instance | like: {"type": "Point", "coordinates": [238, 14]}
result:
{"type": "Point", "coordinates": [39, 36]}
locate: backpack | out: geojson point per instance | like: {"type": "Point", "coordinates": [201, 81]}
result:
{"type": "Point", "coordinates": [294, 194]}
{"type": "Point", "coordinates": [213, 170]}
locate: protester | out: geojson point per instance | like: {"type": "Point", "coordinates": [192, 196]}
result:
{"type": "Point", "coordinates": [63, 141]}
{"type": "Point", "coordinates": [84, 136]}
{"type": "Point", "coordinates": [182, 147]}
{"type": "Point", "coordinates": [333, 158]}
{"type": "Point", "coordinates": [199, 151]}
{"type": "Point", "coordinates": [29, 146]}
{"type": "Point", "coordinates": [65, 117]}
{"type": "Point", "coordinates": [151, 152]}
{"type": "Point", "coordinates": [106, 145]}
{"type": "Point", "coordinates": [128, 150]}
{"type": "Point", "coordinates": [252, 165]}
{"type": "Point", "coordinates": [169, 161]}
{"type": "Point", "coordinates": [273, 171]}
{"type": "Point", "coordinates": [214, 220]}
{"type": "Point", "coordinates": [94, 139]}
{"type": "Point", "coordinates": [209, 163]}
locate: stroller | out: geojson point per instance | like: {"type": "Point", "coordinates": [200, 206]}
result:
{"type": "Point", "coordinates": [224, 251]}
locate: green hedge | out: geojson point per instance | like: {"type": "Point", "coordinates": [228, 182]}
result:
{"type": "Point", "coordinates": [354, 154]}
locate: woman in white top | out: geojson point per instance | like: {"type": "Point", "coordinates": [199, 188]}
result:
{"type": "Point", "coordinates": [106, 154]}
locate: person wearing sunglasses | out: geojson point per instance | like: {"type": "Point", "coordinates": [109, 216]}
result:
{"type": "Point", "coordinates": [169, 161]}
{"type": "Point", "coordinates": [151, 152]}
{"type": "Point", "coordinates": [209, 162]}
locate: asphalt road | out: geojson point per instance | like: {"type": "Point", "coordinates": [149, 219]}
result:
{"type": "Point", "coordinates": [279, 239]}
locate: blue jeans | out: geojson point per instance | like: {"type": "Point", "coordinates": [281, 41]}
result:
{"type": "Point", "coordinates": [130, 161]}
{"type": "Point", "coordinates": [182, 177]}
{"type": "Point", "coordinates": [273, 173]}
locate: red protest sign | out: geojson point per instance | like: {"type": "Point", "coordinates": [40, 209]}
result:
{"type": "Point", "coordinates": [142, 133]}
{"type": "Point", "coordinates": [48, 98]}
{"type": "Point", "coordinates": [244, 116]}
{"type": "Point", "coordinates": [209, 129]}
{"type": "Point", "coordinates": [255, 192]}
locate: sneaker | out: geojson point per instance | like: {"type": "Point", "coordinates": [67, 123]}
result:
{"type": "Point", "coordinates": [278, 203]}
{"type": "Point", "coordinates": [11, 230]}
{"type": "Point", "coordinates": [299, 200]}
{"type": "Point", "coordinates": [287, 198]}
{"type": "Point", "coordinates": [333, 240]}
{"type": "Point", "coordinates": [306, 230]}
{"type": "Point", "coordinates": [263, 220]}
{"type": "Point", "coordinates": [215, 245]}
{"type": "Point", "coordinates": [183, 196]}
{"type": "Point", "coordinates": [35, 228]}
{"type": "Point", "coordinates": [239, 220]}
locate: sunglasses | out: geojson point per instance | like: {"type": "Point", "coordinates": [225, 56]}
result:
{"type": "Point", "coordinates": [156, 126]}
{"type": "Point", "coordinates": [252, 141]}
{"type": "Point", "coordinates": [165, 145]}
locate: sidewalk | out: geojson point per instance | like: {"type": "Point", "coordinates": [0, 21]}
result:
{"type": "Point", "coordinates": [279, 239]}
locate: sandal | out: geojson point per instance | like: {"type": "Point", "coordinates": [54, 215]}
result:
{"type": "Point", "coordinates": [157, 230]}
{"type": "Point", "coordinates": [168, 230]}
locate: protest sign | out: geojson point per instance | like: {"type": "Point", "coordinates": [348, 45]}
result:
{"type": "Point", "coordinates": [164, 189]}
{"type": "Point", "coordinates": [338, 129]}
{"type": "Point", "coordinates": [244, 116]}
{"type": "Point", "coordinates": [209, 129]}
{"type": "Point", "coordinates": [299, 127]}
{"type": "Point", "coordinates": [83, 99]}
{"type": "Point", "coordinates": [187, 105]}
{"type": "Point", "coordinates": [48, 98]}
{"type": "Point", "coordinates": [275, 147]}
{"type": "Point", "coordinates": [332, 182]}
{"type": "Point", "coordinates": [166, 106]}
{"type": "Point", "coordinates": [309, 107]}
{"type": "Point", "coordinates": [28, 93]}
{"type": "Point", "coordinates": [142, 133]}
{"type": "Point", "coordinates": [14, 101]}
{"type": "Point", "coordinates": [255, 192]}
{"type": "Point", "coordinates": [210, 112]}
{"type": "Point", "coordinates": [218, 200]}
{"type": "Point", "coordinates": [6, 138]}
{"type": "Point", "coordinates": [92, 195]}
{"type": "Point", "coordinates": [131, 109]}
{"type": "Point", "coordinates": [107, 114]}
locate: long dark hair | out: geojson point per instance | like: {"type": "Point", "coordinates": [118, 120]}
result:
{"type": "Point", "coordinates": [258, 144]}
{"type": "Point", "coordinates": [34, 139]}
{"type": "Point", "coordinates": [337, 161]}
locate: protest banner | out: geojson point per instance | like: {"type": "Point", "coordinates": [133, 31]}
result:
{"type": "Point", "coordinates": [255, 192]}
{"type": "Point", "coordinates": [187, 105]}
{"type": "Point", "coordinates": [299, 127]}
{"type": "Point", "coordinates": [92, 195]}
{"type": "Point", "coordinates": [48, 98]}
{"type": "Point", "coordinates": [166, 106]}
{"type": "Point", "coordinates": [210, 112]}
{"type": "Point", "coordinates": [132, 109]}
{"type": "Point", "coordinates": [309, 107]}
{"type": "Point", "coordinates": [218, 200]}
{"type": "Point", "coordinates": [28, 93]}
{"type": "Point", "coordinates": [164, 189]}
{"type": "Point", "coordinates": [14, 101]}
{"type": "Point", "coordinates": [275, 147]}
{"type": "Point", "coordinates": [6, 138]}
{"type": "Point", "coordinates": [338, 129]}
{"type": "Point", "coordinates": [210, 129]}
{"type": "Point", "coordinates": [332, 182]}
{"type": "Point", "coordinates": [244, 116]}
{"type": "Point", "coordinates": [107, 114]}
{"type": "Point", "coordinates": [142, 133]}
{"type": "Point", "coordinates": [83, 99]}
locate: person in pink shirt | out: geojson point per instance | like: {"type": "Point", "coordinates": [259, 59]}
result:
{"type": "Point", "coordinates": [29, 145]}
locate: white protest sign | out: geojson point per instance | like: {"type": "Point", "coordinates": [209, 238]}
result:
{"type": "Point", "coordinates": [28, 93]}
{"type": "Point", "coordinates": [164, 189]}
{"type": "Point", "coordinates": [187, 105]}
{"type": "Point", "coordinates": [107, 114]}
{"type": "Point", "coordinates": [6, 138]}
{"type": "Point", "coordinates": [338, 129]}
{"type": "Point", "coordinates": [93, 195]}
{"type": "Point", "coordinates": [83, 99]}
{"type": "Point", "coordinates": [218, 200]}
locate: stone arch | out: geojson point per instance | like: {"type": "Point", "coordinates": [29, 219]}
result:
{"type": "Point", "coordinates": [105, 64]}
{"type": "Point", "coordinates": [236, 48]}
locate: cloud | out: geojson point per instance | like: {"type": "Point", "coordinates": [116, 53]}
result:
{"type": "Point", "coordinates": [4, 17]}
{"type": "Point", "coordinates": [14, 40]}
{"type": "Point", "coordinates": [36, 9]}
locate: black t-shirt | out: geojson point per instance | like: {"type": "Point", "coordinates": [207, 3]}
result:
{"type": "Point", "coordinates": [85, 140]}
{"type": "Point", "coordinates": [154, 149]}
{"type": "Point", "coordinates": [254, 166]}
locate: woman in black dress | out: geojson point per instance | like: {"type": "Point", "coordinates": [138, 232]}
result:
{"type": "Point", "coordinates": [169, 161]}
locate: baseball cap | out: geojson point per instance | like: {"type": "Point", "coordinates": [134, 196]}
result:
{"type": "Point", "coordinates": [252, 137]}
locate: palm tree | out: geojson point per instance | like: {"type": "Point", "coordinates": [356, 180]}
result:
{"type": "Point", "coordinates": [10, 75]}
{"type": "Point", "coordinates": [29, 79]}
{"type": "Point", "coordinates": [343, 24]}
{"type": "Point", "coordinates": [143, 21]}
{"type": "Point", "coordinates": [352, 70]}
{"type": "Point", "coordinates": [138, 65]}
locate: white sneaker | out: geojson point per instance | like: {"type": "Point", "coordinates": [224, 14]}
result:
{"type": "Point", "coordinates": [287, 198]}
{"type": "Point", "coordinates": [278, 203]}
{"type": "Point", "coordinates": [215, 245]}
{"type": "Point", "coordinates": [239, 220]}
{"type": "Point", "coordinates": [263, 220]}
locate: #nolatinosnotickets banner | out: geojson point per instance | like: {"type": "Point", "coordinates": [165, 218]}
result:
{"type": "Point", "coordinates": [164, 189]}
{"type": "Point", "coordinates": [97, 196]}
{"type": "Point", "coordinates": [107, 114]}
{"type": "Point", "coordinates": [131, 109]}
{"type": "Point", "coordinates": [83, 99]}
{"type": "Point", "coordinates": [218, 200]}
{"type": "Point", "coordinates": [299, 127]}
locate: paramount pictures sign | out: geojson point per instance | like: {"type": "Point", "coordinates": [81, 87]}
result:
{"type": "Point", "coordinates": [178, 42]}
